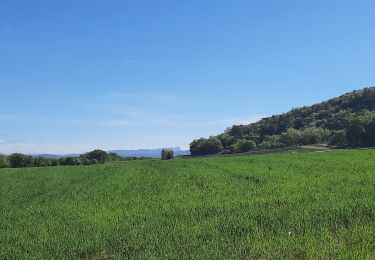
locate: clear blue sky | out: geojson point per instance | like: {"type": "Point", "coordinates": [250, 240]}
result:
{"type": "Point", "coordinates": [77, 75]}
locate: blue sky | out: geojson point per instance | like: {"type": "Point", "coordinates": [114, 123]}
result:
{"type": "Point", "coordinates": [77, 75]}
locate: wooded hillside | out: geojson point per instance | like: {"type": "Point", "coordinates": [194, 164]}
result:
{"type": "Point", "coordinates": [348, 120]}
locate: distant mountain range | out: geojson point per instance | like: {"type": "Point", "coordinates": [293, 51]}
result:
{"type": "Point", "coordinates": [55, 156]}
{"type": "Point", "coordinates": [154, 153]}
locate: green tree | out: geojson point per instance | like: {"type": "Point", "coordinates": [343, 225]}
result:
{"type": "Point", "coordinates": [271, 142]}
{"type": "Point", "coordinates": [4, 162]}
{"type": "Point", "coordinates": [70, 161]}
{"type": "Point", "coordinates": [356, 133]}
{"type": "Point", "coordinates": [18, 160]}
{"type": "Point", "coordinates": [112, 157]}
{"type": "Point", "coordinates": [339, 138]}
{"type": "Point", "coordinates": [208, 146]}
{"type": "Point", "coordinates": [41, 162]}
{"type": "Point", "coordinates": [370, 132]}
{"type": "Point", "coordinates": [314, 135]}
{"type": "Point", "coordinates": [242, 146]}
{"type": "Point", "coordinates": [226, 140]}
{"type": "Point", "coordinates": [98, 155]}
{"type": "Point", "coordinates": [291, 137]}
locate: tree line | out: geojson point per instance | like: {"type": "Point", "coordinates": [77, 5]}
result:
{"type": "Point", "coordinates": [345, 121]}
{"type": "Point", "coordinates": [18, 160]}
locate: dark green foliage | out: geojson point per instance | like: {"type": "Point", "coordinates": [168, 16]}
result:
{"type": "Point", "coordinates": [291, 137]}
{"type": "Point", "coordinates": [348, 120]}
{"type": "Point", "coordinates": [18, 160]}
{"type": "Point", "coordinates": [113, 157]}
{"type": "Point", "coordinates": [271, 142]}
{"type": "Point", "coordinates": [204, 146]}
{"type": "Point", "coordinates": [361, 130]}
{"type": "Point", "coordinates": [44, 162]}
{"type": "Point", "coordinates": [94, 161]}
{"type": "Point", "coordinates": [70, 161]}
{"type": "Point", "coordinates": [275, 206]}
{"type": "Point", "coordinates": [314, 135]}
{"type": "Point", "coordinates": [339, 137]}
{"type": "Point", "coordinates": [99, 155]}
{"type": "Point", "coordinates": [242, 146]}
{"type": "Point", "coordinates": [226, 140]}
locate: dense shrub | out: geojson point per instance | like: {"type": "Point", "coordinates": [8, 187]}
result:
{"type": "Point", "coordinates": [112, 157]}
{"type": "Point", "coordinates": [314, 135]}
{"type": "Point", "coordinates": [70, 161]}
{"type": "Point", "coordinates": [361, 130]}
{"type": "Point", "coordinates": [18, 160]}
{"type": "Point", "coordinates": [291, 137]}
{"type": "Point", "coordinates": [43, 162]}
{"type": "Point", "coordinates": [94, 161]}
{"type": "Point", "coordinates": [4, 162]}
{"type": "Point", "coordinates": [271, 142]}
{"type": "Point", "coordinates": [242, 146]}
{"type": "Point", "coordinates": [226, 140]}
{"type": "Point", "coordinates": [204, 146]}
{"type": "Point", "coordinates": [338, 138]}
{"type": "Point", "coordinates": [98, 155]}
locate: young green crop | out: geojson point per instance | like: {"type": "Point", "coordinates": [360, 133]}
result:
{"type": "Point", "coordinates": [311, 205]}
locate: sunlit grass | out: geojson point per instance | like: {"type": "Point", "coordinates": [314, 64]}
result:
{"type": "Point", "coordinates": [284, 205]}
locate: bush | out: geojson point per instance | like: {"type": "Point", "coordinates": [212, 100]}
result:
{"type": "Point", "coordinates": [313, 135]}
{"type": "Point", "coordinates": [4, 162]}
{"type": "Point", "coordinates": [94, 161]}
{"type": "Point", "coordinates": [361, 130]}
{"type": "Point", "coordinates": [18, 160]}
{"type": "Point", "coordinates": [98, 155]}
{"type": "Point", "coordinates": [113, 157]}
{"type": "Point", "coordinates": [226, 140]}
{"type": "Point", "coordinates": [271, 142]}
{"type": "Point", "coordinates": [339, 138]}
{"type": "Point", "coordinates": [291, 137]}
{"type": "Point", "coordinates": [242, 146]}
{"type": "Point", "coordinates": [70, 161]}
{"type": "Point", "coordinates": [204, 146]}
{"type": "Point", "coordinates": [41, 162]}
{"type": "Point", "coordinates": [85, 160]}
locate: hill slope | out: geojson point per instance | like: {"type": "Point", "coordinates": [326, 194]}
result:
{"type": "Point", "coordinates": [311, 205]}
{"type": "Point", "coordinates": [348, 120]}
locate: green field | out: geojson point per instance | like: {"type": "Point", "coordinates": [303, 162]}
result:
{"type": "Point", "coordinates": [290, 205]}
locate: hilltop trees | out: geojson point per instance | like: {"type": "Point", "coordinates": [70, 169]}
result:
{"type": "Point", "coordinates": [345, 121]}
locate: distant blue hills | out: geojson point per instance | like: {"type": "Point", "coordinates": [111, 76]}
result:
{"type": "Point", "coordinates": [154, 153]}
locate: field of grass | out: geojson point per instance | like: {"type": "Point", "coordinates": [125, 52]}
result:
{"type": "Point", "coordinates": [306, 205]}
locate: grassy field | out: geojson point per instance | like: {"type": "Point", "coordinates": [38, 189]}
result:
{"type": "Point", "coordinates": [263, 206]}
